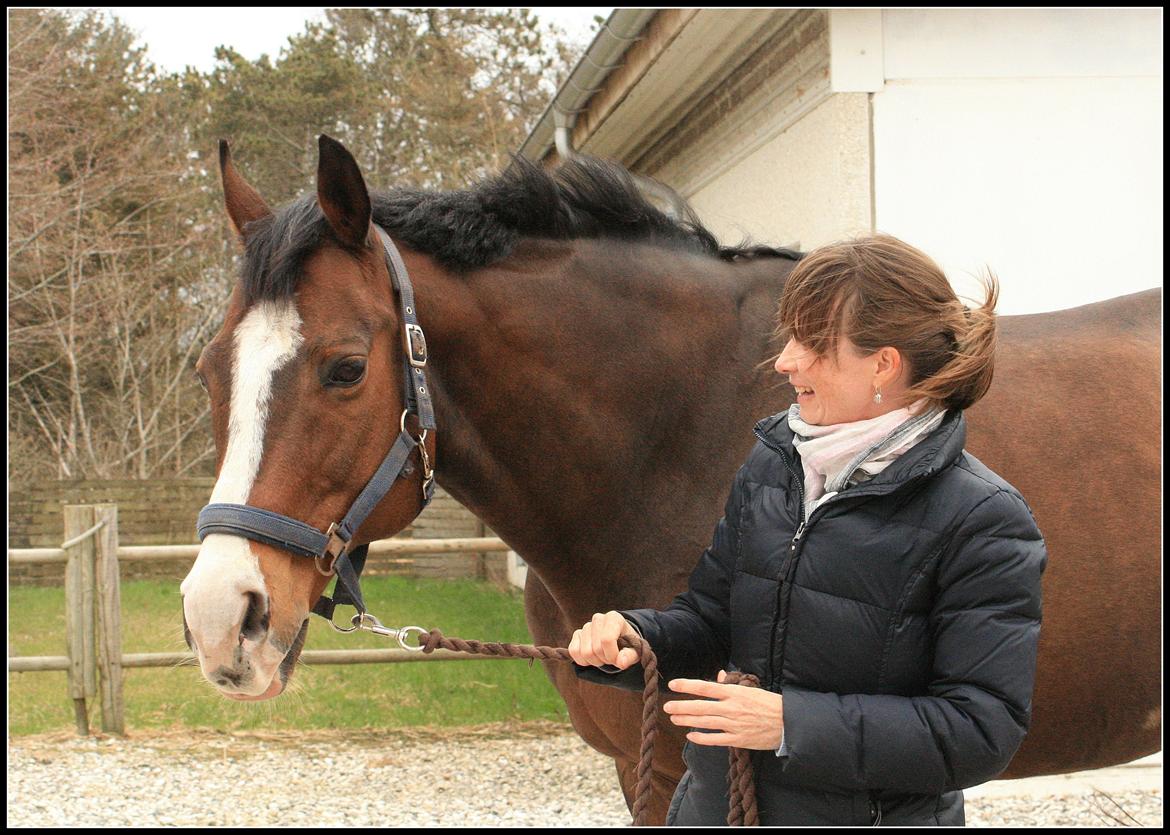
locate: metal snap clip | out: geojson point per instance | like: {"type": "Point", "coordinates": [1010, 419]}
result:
{"type": "Point", "coordinates": [366, 621]}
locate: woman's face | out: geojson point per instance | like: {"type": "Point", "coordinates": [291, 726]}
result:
{"type": "Point", "coordinates": [840, 390]}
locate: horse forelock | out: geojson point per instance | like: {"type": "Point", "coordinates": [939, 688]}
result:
{"type": "Point", "coordinates": [277, 246]}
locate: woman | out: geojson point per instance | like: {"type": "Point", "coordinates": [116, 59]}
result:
{"type": "Point", "coordinates": [882, 583]}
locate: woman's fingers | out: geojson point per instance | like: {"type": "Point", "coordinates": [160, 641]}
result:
{"type": "Point", "coordinates": [708, 738]}
{"type": "Point", "coordinates": [608, 635]}
{"type": "Point", "coordinates": [613, 627]}
{"type": "Point", "coordinates": [627, 658]}
{"type": "Point", "coordinates": [575, 649]}
{"type": "Point", "coordinates": [696, 720]}
{"type": "Point", "coordinates": [616, 626]}
{"type": "Point", "coordinates": [696, 706]}
{"type": "Point", "coordinates": [698, 687]}
{"type": "Point", "coordinates": [621, 627]}
{"type": "Point", "coordinates": [597, 638]}
{"type": "Point", "coordinates": [581, 647]}
{"type": "Point", "coordinates": [595, 643]}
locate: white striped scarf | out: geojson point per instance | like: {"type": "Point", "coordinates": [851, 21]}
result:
{"type": "Point", "coordinates": [833, 455]}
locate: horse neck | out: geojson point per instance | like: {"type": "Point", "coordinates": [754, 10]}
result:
{"type": "Point", "coordinates": [579, 387]}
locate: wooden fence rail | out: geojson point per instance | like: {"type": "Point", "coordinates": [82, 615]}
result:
{"type": "Point", "coordinates": [93, 612]}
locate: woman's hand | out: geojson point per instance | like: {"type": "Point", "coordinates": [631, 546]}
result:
{"type": "Point", "coordinates": [595, 643]}
{"type": "Point", "coordinates": [747, 717]}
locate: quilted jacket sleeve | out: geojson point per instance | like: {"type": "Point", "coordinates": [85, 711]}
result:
{"type": "Point", "coordinates": [691, 636]}
{"type": "Point", "coordinates": [986, 626]}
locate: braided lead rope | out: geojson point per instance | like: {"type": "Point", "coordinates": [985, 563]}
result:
{"type": "Point", "coordinates": [433, 639]}
{"type": "Point", "coordinates": [743, 811]}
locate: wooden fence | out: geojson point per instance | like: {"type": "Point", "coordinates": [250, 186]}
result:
{"type": "Point", "coordinates": [94, 661]}
{"type": "Point", "coordinates": [150, 512]}
{"type": "Point", "coordinates": [163, 512]}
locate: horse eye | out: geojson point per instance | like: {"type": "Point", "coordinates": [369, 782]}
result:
{"type": "Point", "coordinates": [347, 372]}
{"type": "Point", "coordinates": [202, 381]}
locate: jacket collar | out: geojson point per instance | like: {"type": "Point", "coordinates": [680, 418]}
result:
{"type": "Point", "coordinates": [936, 451]}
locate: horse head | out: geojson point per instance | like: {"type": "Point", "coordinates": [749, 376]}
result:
{"type": "Point", "coordinates": [306, 385]}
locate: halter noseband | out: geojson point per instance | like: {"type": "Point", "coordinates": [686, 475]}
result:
{"type": "Point", "coordinates": [332, 546]}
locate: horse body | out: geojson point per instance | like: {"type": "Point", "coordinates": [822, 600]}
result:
{"type": "Point", "coordinates": [596, 429]}
{"type": "Point", "coordinates": [605, 462]}
{"type": "Point", "coordinates": [1072, 420]}
{"type": "Point", "coordinates": [596, 370]}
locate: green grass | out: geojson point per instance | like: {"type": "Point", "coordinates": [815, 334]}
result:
{"type": "Point", "coordinates": [327, 696]}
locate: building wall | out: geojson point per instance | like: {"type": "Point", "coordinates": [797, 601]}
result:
{"type": "Point", "coordinates": [1024, 142]}
{"type": "Point", "coordinates": [1027, 143]}
{"type": "Point", "coordinates": [769, 152]}
{"type": "Point", "coordinates": [806, 187]}
{"type": "Point", "coordinates": [1053, 184]}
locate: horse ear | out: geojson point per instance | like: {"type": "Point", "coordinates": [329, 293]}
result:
{"type": "Point", "coordinates": [342, 193]}
{"type": "Point", "coordinates": [243, 203]}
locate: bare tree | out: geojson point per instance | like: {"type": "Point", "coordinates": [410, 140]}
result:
{"type": "Point", "coordinates": [101, 251]}
{"type": "Point", "coordinates": [119, 263]}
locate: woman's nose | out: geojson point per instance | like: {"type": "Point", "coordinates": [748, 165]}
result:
{"type": "Point", "coordinates": [786, 362]}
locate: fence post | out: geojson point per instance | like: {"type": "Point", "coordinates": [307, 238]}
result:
{"type": "Point", "coordinates": [481, 571]}
{"type": "Point", "coordinates": [79, 612]}
{"type": "Point", "coordinates": [109, 618]}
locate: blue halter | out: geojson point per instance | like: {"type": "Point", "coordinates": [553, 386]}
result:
{"type": "Point", "coordinates": [332, 546]}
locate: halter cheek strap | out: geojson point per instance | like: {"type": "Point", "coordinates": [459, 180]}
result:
{"type": "Point", "coordinates": [332, 546]}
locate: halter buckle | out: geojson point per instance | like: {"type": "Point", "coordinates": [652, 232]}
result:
{"type": "Point", "coordinates": [416, 346]}
{"type": "Point", "coordinates": [334, 548]}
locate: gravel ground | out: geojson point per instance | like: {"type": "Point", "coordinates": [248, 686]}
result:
{"type": "Point", "coordinates": [497, 775]}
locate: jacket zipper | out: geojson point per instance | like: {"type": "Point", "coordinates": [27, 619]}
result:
{"type": "Point", "coordinates": [791, 553]}
{"type": "Point", "coordinates": [794, 553]}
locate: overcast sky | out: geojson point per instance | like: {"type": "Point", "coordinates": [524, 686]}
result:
{"type": "Point", "coordinates": [181, 36]}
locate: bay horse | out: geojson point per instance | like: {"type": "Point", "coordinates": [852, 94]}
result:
{"type": "Point", "coordinates": [596, 369]}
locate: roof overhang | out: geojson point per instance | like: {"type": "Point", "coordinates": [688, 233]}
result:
{"type": "Point", "coordinates": [604, 55]}
{"type": "Point", "coordinates": [641, 74]}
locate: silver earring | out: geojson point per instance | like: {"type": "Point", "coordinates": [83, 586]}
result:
{"type": "Point", "coordinates": [877, 395]}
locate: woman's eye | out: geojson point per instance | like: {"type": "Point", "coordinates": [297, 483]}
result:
{"type": "Point", "coordinates": [347, 373]}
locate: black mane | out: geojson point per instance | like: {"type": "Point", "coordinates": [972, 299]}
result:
{"type": "Point", "coordinates": [474, 227]}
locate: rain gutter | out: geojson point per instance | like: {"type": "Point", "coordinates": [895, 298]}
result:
{"type": "Point", "coordinates": [605, 54]}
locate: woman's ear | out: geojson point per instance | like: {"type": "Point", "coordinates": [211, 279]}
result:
{"type": "Point", "coordinates": [889, 366]}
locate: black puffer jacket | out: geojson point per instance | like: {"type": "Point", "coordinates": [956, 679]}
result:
{"type": "Point", "coordinates": [900, 622]}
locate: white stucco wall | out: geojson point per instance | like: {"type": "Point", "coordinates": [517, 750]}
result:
{"type": "Point", "coordinates": [1055, 184]}
{"type": "Point", "coordinates": [809, 185]}
{"type": "Point", "coordinates": [1029, 142]}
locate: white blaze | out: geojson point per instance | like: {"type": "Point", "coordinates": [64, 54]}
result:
{"type": "Point", "coordinates": [266, 339]}
{"type": "Point", "coordinates": [226, 569]}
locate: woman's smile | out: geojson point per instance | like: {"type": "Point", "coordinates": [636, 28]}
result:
{"type": "Point", "coordinates": [841, 388]}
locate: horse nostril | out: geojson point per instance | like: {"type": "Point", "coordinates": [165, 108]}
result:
{"type": "Point", "coordinates": [187, 633]}
{"type": "Point", "coordinates": [255, 625]}
{"type": "Point", "coordinates": [224, 677]}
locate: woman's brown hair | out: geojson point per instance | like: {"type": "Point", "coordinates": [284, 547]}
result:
{"type": "Point", "coordinates": [879, 291]}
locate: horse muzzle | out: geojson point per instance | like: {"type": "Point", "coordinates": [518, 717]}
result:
{"type": "Point", "coordinates": [228, 623]}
